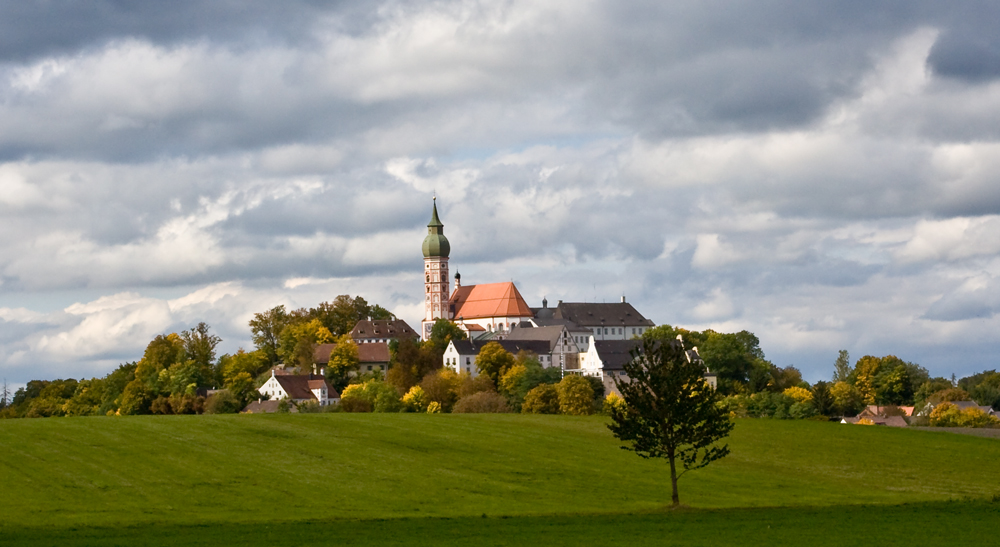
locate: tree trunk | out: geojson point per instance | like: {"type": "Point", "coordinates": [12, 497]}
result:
{"type": "Point", "coordinates": [673, 479]}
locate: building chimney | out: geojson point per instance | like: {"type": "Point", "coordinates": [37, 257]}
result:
{"type": "Point", "coordinates": [623, 299]}
{"type": "Point", "coordinates": [545, 303]}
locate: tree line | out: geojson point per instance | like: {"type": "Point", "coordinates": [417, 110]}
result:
{"type": "Point", "coordinates": [177, 369]}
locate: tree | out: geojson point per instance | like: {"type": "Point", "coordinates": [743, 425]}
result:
{"type": "Point", "coordinates": [443, 332]}
{"type": "Point", "coordinates": [846, 399]}
{"type": "Point", "coordinates": [731, 357]}
{"type": "Point", "coordinates": [343, 360]}
{"type": "Point", "coordinates": [670, 411]}
{"type": "Point", "coordinates": [842, 367]}
{"type": "Point", "coordinates": [542, 399]}
{"type": "Point", "coordinates": [298, 342]}
{"type": "Point", "coordinates": [822, 399]}
{"type": "Point", "coordinates": [576, 396]}
{"type": "Point", "coordinates": [265, 331]}
{"type": "Point", "coordinates": [199, 346]}
{"type": "Point", "coordinates": [493, 361]}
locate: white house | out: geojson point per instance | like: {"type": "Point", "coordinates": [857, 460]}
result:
{"type": "Point", "coordinates": [606, 359]}
{"type": "Point", "coordinates": [299, 388]}
{"type": "Point", "coordinates": [460, 355]}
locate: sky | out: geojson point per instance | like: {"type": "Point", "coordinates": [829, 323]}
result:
{"type": "Point", "coordinates": [823, 174]}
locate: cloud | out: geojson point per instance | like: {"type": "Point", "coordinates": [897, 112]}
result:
{"type": "Point", "coordinates": [823, 176]}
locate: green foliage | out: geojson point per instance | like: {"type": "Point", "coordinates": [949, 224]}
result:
{"type": "Point", "coordinates": [671, 412]}
{"type": "Point", "coordinates": [199, 348]}
{"type": "Point", "coordinates": [443, 332]}
{"type": "Point", "coordinates": [344, 359]}
{"type": "Point", "coordinates": [254, 363]}
{"type": "Point", "coordinates": [576, 396]}
{"type": "Point", "coordinates": [482, 402]}
{"type": "Point", "coordinates": [265, 331]}
{"type": "Point", "coordinates": [542, 399]}
{"type": "Point", "coordinates": [929, 388]}
{"type": "Point", "coordinates": [136, 398]}
{"type": "Point", "coordinates": [412, 362]}
{"type": "Point", "coordinates": [823, 399]}
{"type": "Point", "coordinates": [842, 367]}
{"type": "Point", "coordinates": [162, 352]}
{"type": "Point", "coordinates": [847, 399]}
{"type": "Point", "coordinates": [223, 402]}
{"type": "Point", "coordinates": [441, 387]}
{"type": "Point", "coordinates": [731, 356]}
{"type": "Point", "coordinates": [378, 396]}
{"type": "Point", "coordinates": [298, 341]}
{"type": "Point", "coordinates": [984, 388]}
{"type": "Point", "coordinates": [493, 361]}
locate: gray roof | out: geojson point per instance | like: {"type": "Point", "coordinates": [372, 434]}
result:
{"type": "Point", "coordinates": [470, 347]}
{"type": "Point", "coordinates": [615, 353]}
{"type": "Point", "coordinates": [380, 329]}
{"type": "Point", "coordinates": [546, 334]}
{"type": "Point", "coordinates": [615, 314]}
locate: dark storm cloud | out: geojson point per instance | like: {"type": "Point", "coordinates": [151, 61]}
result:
{"type": "Point", "coordinates": [37, 28]}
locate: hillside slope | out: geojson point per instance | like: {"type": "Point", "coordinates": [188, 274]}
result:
{"type": "Point", "coordinates": [191, 469]}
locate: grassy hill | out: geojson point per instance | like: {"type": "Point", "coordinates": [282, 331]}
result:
{"type": "Point", "coordinates": [191, 470]}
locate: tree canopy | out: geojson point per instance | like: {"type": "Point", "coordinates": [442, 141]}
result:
{"type": "Point", "coordinates": [669, 412]}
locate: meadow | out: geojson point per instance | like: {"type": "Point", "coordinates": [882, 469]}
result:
{"type": "Point", "coordinates": [388, 478]}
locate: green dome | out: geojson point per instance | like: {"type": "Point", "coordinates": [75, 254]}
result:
{"type": "Point", "coordinates": [435, 244]}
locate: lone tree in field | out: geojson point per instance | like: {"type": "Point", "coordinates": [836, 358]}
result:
{"type": "Point", "coordinates": [669, 412]}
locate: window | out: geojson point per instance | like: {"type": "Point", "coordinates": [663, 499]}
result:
{"type": "Point", "coordinates": [468, 360]}
{"type": "Point", "coordinates": [369, 367]}
{"type": "Point", "coordinates": [605, 331]}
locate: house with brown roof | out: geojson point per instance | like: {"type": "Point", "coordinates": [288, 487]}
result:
{"type": "Point", "coordinates": [378, 331]}
{"type": "Point", "coordinates": [299, 388]}
{"type": "Point", "coordinates": [372, 357]}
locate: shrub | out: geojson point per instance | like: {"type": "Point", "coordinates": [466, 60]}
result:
{"type": "Point", "coordinates": [470, 386]}
{"type": "Point", "coordinates": [801, 395]}
{"type": "Point", "coordinates": [948, 415]}
{"type": "Point", "coordinates": [354, 404]}
{"type": "Point", "coordinates": [434, 408]}
{"type": "Point", "coordinates": [415, 399]}
{"type": "Point", "coordinates": [576, 396]}
{"type": "Point", "coordinates": [482, 402]}
{"type": "Point", "coordinates": [309, 407]}
{"type": "Point", "coordinates": [542, 399]}
{"type": "Point", "coordinates": [223, 402]}
{"type": "Point", "coordinates": [441, 386]}
{"type": "Point", "coordinates": [612, 402]}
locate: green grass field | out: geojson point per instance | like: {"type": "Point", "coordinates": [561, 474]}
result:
{"type": "Point", "coordinates": [186, 479]}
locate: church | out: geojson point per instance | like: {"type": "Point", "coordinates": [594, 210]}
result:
{"type": "Point", "coordinates": [493, 310]}
{"type": "Point", "coordinates": [589, 339]}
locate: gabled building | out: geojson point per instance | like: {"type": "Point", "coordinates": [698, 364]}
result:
{"type": "Point", "coordinates": [299, 388]}
{"type": "Point", "coordinates": [603, 321]}
{"type": "Point", "coordinates": [460, 355]}
{"type": "Point", "coordinates": [372, 357]}
{"type": "Point", "coordinates": [563, 348]}
{"type": "Point", "coordinates": [606, 359]}
{"type": "Point", "coordinates": [495, 307]}
{"type": "Point", "coordinates": [367, 332]}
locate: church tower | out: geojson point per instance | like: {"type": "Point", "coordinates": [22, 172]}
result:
{"type": "Point", "coordinates": [436, 249]}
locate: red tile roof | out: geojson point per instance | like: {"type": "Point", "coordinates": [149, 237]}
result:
{"type": "Point", "coordinates": [489, 300]}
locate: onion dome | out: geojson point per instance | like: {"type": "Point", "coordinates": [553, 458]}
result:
{"type": "Point", "coordinates": [435, 244]}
